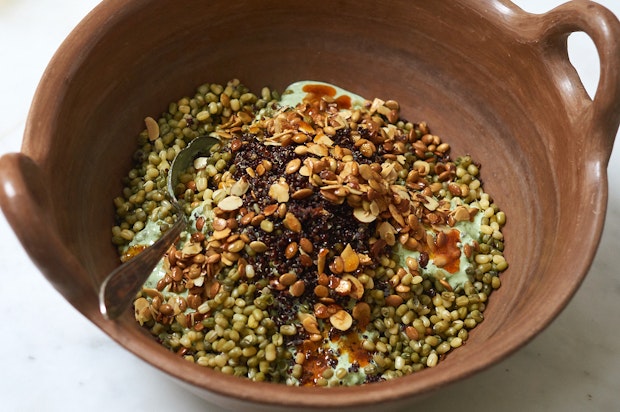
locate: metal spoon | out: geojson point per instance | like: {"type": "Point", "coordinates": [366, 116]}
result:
{"type": "Point", "coordinates": [120, 287]}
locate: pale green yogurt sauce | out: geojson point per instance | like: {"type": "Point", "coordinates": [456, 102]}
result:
{"type": "Point", "coordinates": [468, 234]}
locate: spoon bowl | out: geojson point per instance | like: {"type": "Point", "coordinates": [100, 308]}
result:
{"type": "Point", "coordinates": [119, 288]}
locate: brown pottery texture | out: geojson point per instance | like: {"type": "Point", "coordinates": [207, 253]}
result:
{"type": "Point", "coordinates": [493, 81]}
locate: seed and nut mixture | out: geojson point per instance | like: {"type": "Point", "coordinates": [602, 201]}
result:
{"type": "Point", "coordinates": [326, 245]}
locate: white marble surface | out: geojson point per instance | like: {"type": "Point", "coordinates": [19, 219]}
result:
{"type": "Point", "coordinates": [53, 359]}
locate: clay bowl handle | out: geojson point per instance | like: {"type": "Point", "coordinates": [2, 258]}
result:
{"type": "Point", "coordinates": [599, 117]}
{"type": "Point", "coordinates": [25, 201]}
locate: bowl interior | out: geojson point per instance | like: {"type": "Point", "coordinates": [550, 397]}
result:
{"type": "Point", "coordinates": [472, 80]}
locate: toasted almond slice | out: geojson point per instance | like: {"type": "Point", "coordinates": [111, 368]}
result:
{"type": "Point", "coordinates": [219, 223]}
{"type": "Point", "coordinates": [309, 323]}
{"type": "Point", "coordinates": [201, 162]}
{"type": "Point", "coordinates": [367, 173]}
{"type": "Point", "coordinates": [321, 138]}
{"type": "Point", "coordinates": [152, 128]}
{"type": "Point", "coordinates": [240, 187]}
{"type": "Point", "coordinates": [461, 214]}
{"type": "Point", "coordinates": [341, 320]}
{"type": "Point", "coordinates": [344, 287]}
{"type": "Point", "coordinates": [191, 249]}
{"type": "Point", "coordinates": [305, 171]}
{"type": "Point", "coordinates": [376, 104]}
{"type": "Point", "coordinates": [305, 127]}
{"type": "Point", "coordinates": [221, 234]}
{"type": "Point", "coordinates": [350, 258]}
{"type": "Point", "coordinates": [431, 203]}
{"type": "Point", "coordinates": [387, 232]}
{"type": "Point", "coordinates": [321, 260]}
{"type": "Point", "coordinates": [364, 216]}
{"type": "Point", "coordinates": [230, 203]}
{"type": "Point", "coordinates": [279, 191]}
{"type": "Point", "coordinates": [319, 150]}
{"type": "Point", "coordinates": [357, 289]}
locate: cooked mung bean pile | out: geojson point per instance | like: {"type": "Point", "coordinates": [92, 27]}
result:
{"type": "Point", "coordinates": [328, 244]}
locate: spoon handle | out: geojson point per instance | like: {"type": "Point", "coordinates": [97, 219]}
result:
{"type": "Point", "coordinates": [119, 289]}
{"type": "Point", "coordinates": [122, 284]}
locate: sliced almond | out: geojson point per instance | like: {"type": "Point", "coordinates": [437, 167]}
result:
{"type": "Point", "coordinates": [343, 288]}
{"type": "Point", "coordinates": [350, 258]}
{"type": "Point", "coordinates": [319, 150]}
{"type": "Point", "coordinates": [396, 215]}
{"type": "Point", "coordinates": [191, 249]}
{"type": "Point", "coordinates": [332, 196]}
{"type": "Point", "coordinates": [305, 127]}
{"type": "Point", "coordinates": [431, 203]}
{"type": "Point", "coordinates": [376, 104]}
{"type": "Point", "coordinates": [460, 214]}
{"type": "Point", "coordinates": [305, 171]}
{"type": "Point", "coordinates": [341, 320]}
{"type": "Point", "coordinates": [323, 139]}
{"type": "Point", "coordinates": [201, 162]}
{"type": "Point", "coordinates": [321, 260]}
{"type": "Point", "coordinates": [349, 169]}
{"type": "Point", "coordinates": [309, 322]}
{"type": "Point", "coordinates": [374, 208]}
{"type": "Point", "coordinates": [230, 203]}
{"type": "Point", "coordinates": [152, 128]}
{"type": "Point", "coordinates": [279, 191]}
{"type": "Point", "coordinates": [221, 234]}
{"type": "Point", "coordinates": [387, 232]}
{"type": "Point", "coordinates": [367, 173]}
{"type": "Point", "coordinates": [363, 215]}
{"type": "Point", "coordinates": [219, 223]}
{"type": "Point", "coordinates": [240, 187]}
{"type": "Point", "coordinates": [357, 289]}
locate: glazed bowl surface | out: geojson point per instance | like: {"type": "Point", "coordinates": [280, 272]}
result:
{"type": "Point", "coordinates": [492, 80]}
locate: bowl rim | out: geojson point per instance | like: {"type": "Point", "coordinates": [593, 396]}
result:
{"type": "Point", "coordinates": [66, 62]}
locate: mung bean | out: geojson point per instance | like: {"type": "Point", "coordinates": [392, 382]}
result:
{"type": "Point", "coordinates": [248, 310]}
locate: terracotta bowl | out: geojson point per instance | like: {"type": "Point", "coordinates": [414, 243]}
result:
{"type": "Point", "coordinates": [489, 78]}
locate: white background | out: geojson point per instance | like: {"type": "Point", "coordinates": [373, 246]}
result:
{"type": "Point", "coordinates": [53, 359]}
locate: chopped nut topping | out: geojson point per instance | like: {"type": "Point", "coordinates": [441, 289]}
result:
{"type": "Point", "coordinates": [230, 203]}
{"type": "Point", "coordinates": [301, 211]}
